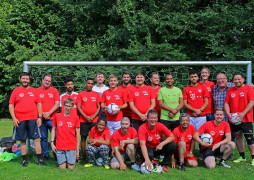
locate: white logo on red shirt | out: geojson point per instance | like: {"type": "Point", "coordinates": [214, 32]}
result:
{"type": "Point", "coordinates": [41, 95]}
{"type": "Point", "coordinates": [93, 98]}
{"type": "Point", "coordinates": [209, 89]}
{"type": "Point", "coordinates": [101, 138]}
{"type": "Point", "coordinates": [190, 92]}
{"type": "Point", "coordinates": [85, 99]}
{"type": "Point", "coordinates": [108, 97]}
{"type": "Point", "coordinates": [242, 94]}
{"type": "Point", "coordinates": [190, 137]}
{"type": "Point", "coordinates": [192, 96]}
{"type": "Point", "coordinates": [21, 95]}
{"type": "Point", "coordinates": [221, 132]}
{"type": "Point", "coordinates": [136, 94]}
{"type": "Point", "coordinates": [50, 95]}
{"type": "Point", "coordinates": [182, 138]}
{"type": "Point", "coordinates": [60, 123]}
{"type": "Point", "coordinates": [212, 133]}
{"type": "Point", "coordinates": [157, 136]}
{"type": "Point", "coordinates": [75, 97]}
{"type": "Point", "coordinates": [233, 95]}
{"type": "Point", "coordinates": [69, 124]}
{"type": "Point", "coordinates": [150, 138]}
{"type": "Point", "coordinates": [199, 90]}
{"type": "Point", "coordinates": [30, 94]}
{"type": "Point", "coordinates": [117, 97]}
{"type": "Point", "coordinates": [145, 93]}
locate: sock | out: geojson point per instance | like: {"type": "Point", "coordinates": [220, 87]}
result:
{"type": "Point", "coordinates": [252, 156]}
{"type": "Point", "coordinates": [24, 157]}
{"type": "Point", "coordinates": [242, 154]}
{"type": "Point", "coordinates": [39, 156]}
{"type": "Point", "coordinates": [181, 162]}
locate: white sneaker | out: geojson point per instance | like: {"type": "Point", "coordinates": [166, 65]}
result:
{"type": "Point", "coordinates": [135, 167]}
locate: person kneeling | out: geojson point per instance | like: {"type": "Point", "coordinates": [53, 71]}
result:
{"type": "Point", "coordinates": [124, 142]}
{"type": "Point", "coordinates": [185, 143]}
{"type": "Point", "coordinates": [68, 133]}
{"type": "Point", "coordinates": [98, 145]}
{"type": "Point", "coordinates": [221, 134]}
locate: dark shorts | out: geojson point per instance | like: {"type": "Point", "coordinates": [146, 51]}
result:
{"type": "Point", "coordinates": [171, 125]}
{"type": "Point", "coordinates": [209, 152]}
{"type": "Point", "coordinates": [85, 128]}
{"type": "Point", "coordinates": [26, 129]}
{"type": "Point", "coordinates": [124, 156]}
{"type": "Point", "coordinates": [137, 123]}
{"type": "Point", "coordinates": [210, 117]}
{"type": "Point", "coordinates": [246, 128]}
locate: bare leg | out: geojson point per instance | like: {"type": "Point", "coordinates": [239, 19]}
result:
{"type": "Point", "coordinates": [83, 144]}
{"type": "Point", "coordinates": [181, 150]}
{"type": "Point", "coordinates": [227, 149]}
{"type": "Point", "coordinates": [131, 151]}
{"type": "Point", "coordinates": [37, 146]}
{"type": "Point", "coordinates": [239, 141]}
{"type": "Point", "coordinates": [115, 165]}
{"type": "Point", "coordinates": [192, 163]}
{"type": "Point", "coordinates": [63, 166]}
{"type": "Point", "coordinates": [71, 166]}
{"type": "Point", "coordinates": [210, 162]}
{"type": "Point", "coordinates": [23, 147]}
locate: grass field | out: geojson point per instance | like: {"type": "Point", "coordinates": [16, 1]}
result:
{"type": "Point", "coordinates": [13, 169]}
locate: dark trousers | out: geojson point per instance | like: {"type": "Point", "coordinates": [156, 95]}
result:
{"type": "Point", "coordinates": [137, 123]}
{"type": "Point", "coordinates": [167, 151]}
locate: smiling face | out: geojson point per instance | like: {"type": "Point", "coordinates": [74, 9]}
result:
{"type": "Point", "coordinates": [101, 126]}
{"type": "Point", "coordinates": [68, 107]}
{"type": "Point", "coordinates": [126, 79]}
{"type": "Point", "coordinates": [89, 85]}
{"type": "Point", "coordinates": [155, 79]}
{"type": "Point", "coordinates": [205, 74]}
{"type": "Point", "coordinates": [69, 86]}
{"type": "Point", "coordinates": [238, 81]}
{"type": "Point", "coordinates": [24, 81]}
{"type": "Point", "coordinates": [100, 78]}
{"type": "Point", "coordinates": [194, 79]}
{"type": "Point", "coordinates": [46, 82]}
{"type": "Point", "coordinates": [222, 81]}
{"type": "Point", "coordinates": [125, 124]}
{"type": "Point", "coordinates": [184, 122]}
{"type": "Point", "coordinates": [219, 115]}
{"type": "Point", "coordinates": [113, 82]}
{"type": "Point", "coordinates": [169, 81]}
{"type": "Point", "coordinates": [140, 79]}
{"type": "Point", "coordinates": [152, 120]}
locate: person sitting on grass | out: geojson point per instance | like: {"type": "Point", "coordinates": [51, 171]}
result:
{"type": "Point", "coordinates": [68, 133]}
{"type": "Point", "coordinates": [98, 144]}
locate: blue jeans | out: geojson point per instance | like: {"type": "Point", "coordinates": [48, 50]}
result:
{"type": "Point", "coordinates": [45, 126]}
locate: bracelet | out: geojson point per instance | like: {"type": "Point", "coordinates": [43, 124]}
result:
{"type": "Point", "coordinates": [40, 117]}
{"type": "Point", "coordinates": [52, 141]}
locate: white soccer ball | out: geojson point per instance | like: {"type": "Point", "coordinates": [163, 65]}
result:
{"type": "Point", "coordinates": [99, 161]}
{"type": "Point", "coordinates": [207, 138]}
{"type": "Point", "coordinates": [145, 169]}
{"type": "Point", "coordinates": [113, 108]}
{"type": "Point", "coordinates": [236, 120]}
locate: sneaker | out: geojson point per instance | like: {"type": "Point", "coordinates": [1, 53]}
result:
{"type": "Point", "coordinates": [24, 163]}
{"type": "Point", "coordinates": [45, 157]}
{"type": "Point", "coordinates": [41, 163]}
{"type": "Point", "coordinates": [252, 162]}
{"type": "Point", "coordinates": [224, 164]}
{"type": "Point", "coordinates": [240, 159]}
{"type": "Point", "coordinates": [106, 166]}
{"type": "Point", "coordinates": [158, 169]}
{"type": "Point", "coordinates": [88, 165]}
{"type": "Point", "coordinates": [135, 167]}
{"type": "Point", "coordinates": [182, 167]}
{"type": "Point", "coordinates": [161, 158]}
{"type": "Point", "coordinates": [165, 168]}
{"type": "Point", "coordinates": [155, 162]}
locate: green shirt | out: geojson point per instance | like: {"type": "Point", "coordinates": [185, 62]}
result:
{"type": "Point", "coordinates": [170, 98]}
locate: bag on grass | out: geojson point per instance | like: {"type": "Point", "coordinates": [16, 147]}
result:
{"type": "Point", "coordinates": [7, 142]}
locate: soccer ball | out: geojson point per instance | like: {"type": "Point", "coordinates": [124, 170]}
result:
{"type": "Point", "coordinates": [236, 120]}
{"type": "Point", "coordinates": [99, 161]}
{"type": "Point", "coordinates": [113, 108]}
{"type": "Point", "coordinates": [146, 170]}
{"type": "Point", "coordinates": [207, 138]}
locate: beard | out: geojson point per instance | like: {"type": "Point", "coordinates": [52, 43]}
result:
{"type": "Point", "coordinates": [69, 89]}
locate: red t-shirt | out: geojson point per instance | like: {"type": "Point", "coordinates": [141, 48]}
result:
{"type": "Point", "coordinates": [118, 136]}
{"type": "Point", "coordinates": [217, 132]}
{"type": "Point", "coordinates": [195, 97]}
{"type": "Point", "coordinates": [152, 137]}
{"type": "Point", "coordinates": [157, 107]}
{"type": "Point", "coordinates": [66, 131]}
{"type": "Point", "coordinates": [186, 136]}
{"type": "Point", "coordinates": [142, 99]}
{"type": "Point", "coordinates": [89, 101]}
{"type": "Point", "coordinates": [118, 97]}
{"type": "Point", "coordinates": [25, 103]}
{"type": "Point", "coordinates": [94, 134]}
{"type": "Point", "coordinates": [238, 100]}
{"type": "Point", "coordinates": [127, 111]}
{"type": "Point", "coordinates": [48, 98]}
{"type": "Point", "coordinates": [209, 86]}
{"type": "Point", "coordinates": [73, 96]}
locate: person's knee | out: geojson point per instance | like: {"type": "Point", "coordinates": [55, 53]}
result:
{"type": "Point", "coordinates": [130, 147]}
{"type": "Point", "coordinates": [182, 144]}
{"type": "Point", "coordinates": [114, 165]}
{"type": "Point", "coordinates": [193, 163]}
{"type": "Point", "coordinates": [210, 162]}
{"type": "Point", "coordinates": [231, 145]}
{"type": "Point", "coordinates": [250, 140]}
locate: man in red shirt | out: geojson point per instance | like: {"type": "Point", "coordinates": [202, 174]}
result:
{"type": "Point", "coordinates": [119, 97]}
{"type": "Point", "coordinates": [195, 99]}
{"type": "Point", "coordinates": [69, 84]}
{"type": "Point", "coordinates": [240, 99]}
{"type": "Point", "coordinates": [124, 142]}
{"type": "Point", "coordinates": [222, 144]}
{"type": "Point", "coordinates": [185, 143]}
{"type": "Point", "coordinates": [68, 134]}
{"type": "Point", "coordinates": [26, 112]}
{"type": "Point", "coordinates": [88, 105]}
{"type": "Point", "coordinates": [155, 80]}
{"type": "Point", "coordinates": [141, 100]}
{"type": "Point", "coordinates": [150, 138]}
{"type": "Point", "coordinates": [50, 101]}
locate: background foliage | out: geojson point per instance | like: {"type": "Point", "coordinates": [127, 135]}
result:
{"type": "Point", "coordinates": [116, 30]}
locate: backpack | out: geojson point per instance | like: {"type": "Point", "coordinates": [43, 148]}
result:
{"type": "Point", "coordinates": [7, 142]}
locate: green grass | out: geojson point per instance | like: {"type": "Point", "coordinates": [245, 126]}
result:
{"type": "Point", "coordinates": [13, 170]}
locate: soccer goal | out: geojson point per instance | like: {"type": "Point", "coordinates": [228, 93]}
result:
{"type": "Point", "coordinates": [81, 70]}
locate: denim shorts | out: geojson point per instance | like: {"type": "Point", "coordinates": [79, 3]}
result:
{"type": "Point", "coordinates": [68, 156]}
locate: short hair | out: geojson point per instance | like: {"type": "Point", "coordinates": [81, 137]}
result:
{"type": "Point", "coordinates": [126, 73]}
{"type": "Point", "coordinates": [69, 100]}
{"type": "Point", "coordinates": [184, 115]}
{"type": "Point", "coordinates": [223, 74]}
{"type": "Point", "coordinates": [125, 118]}
{"type": "Point", "coordinates": [89, 79]}
{"type": "Point", "coordinates": [99, 73]}
{"type": "Point", "coordinates": [24, 74]}
{"type": "Point", "coordinates": [193, 72]}
{"type": "Point", "coordinates": [218, 109]}
{"type": "Point", "coordinates": [47, 74]}
{"type": "Point", "coordinates": [206, 69]}
{"type": "Point", "coordinates": [238, 73]}
{"type": "Point", "coordinates": [154, 73]}
{"type": "Point", "coordinates": [102, 119]}
{"type": "Point", "coordinates": [168, 74]}
{"type": "Point", "coordinates": [68, 79]}
{"type": "Point", "coordinates": [152, 111]}
{"type": "Point", "coordinates": [112, 76]}
{"type": "Point", "coordinates": [140, 73]}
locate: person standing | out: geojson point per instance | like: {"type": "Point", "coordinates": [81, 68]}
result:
{"type": "Point", "coordinates": [155, 80]}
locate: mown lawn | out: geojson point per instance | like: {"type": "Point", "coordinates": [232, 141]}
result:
{"type": "Point", "coordinates": [14, 170]}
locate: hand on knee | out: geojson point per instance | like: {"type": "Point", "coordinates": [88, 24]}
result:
{"type": "Point", "coordinates": [114, 165]}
